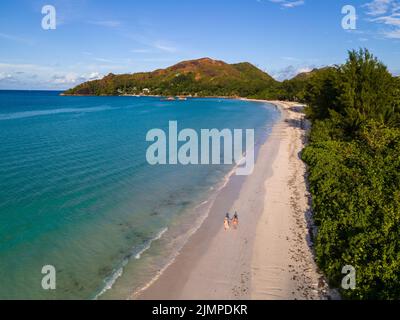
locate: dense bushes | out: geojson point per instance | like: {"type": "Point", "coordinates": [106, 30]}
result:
{"type": "Point", "coordinates": [354, 175]}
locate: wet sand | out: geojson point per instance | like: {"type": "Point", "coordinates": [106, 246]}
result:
{"type": "Point", "coordinates": [269, 255]}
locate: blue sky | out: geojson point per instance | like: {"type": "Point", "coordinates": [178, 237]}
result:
{"type": "Point", "coordinates": [95, 37]}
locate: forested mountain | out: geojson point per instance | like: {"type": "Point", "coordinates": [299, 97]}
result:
{"type": "Point", "coordinates": [202, 77]}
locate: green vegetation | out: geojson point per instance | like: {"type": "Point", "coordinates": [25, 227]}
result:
{"type": "Point", "coordinates": [203, 77]}
{"type": "Point", "coordinates": [354, 174]}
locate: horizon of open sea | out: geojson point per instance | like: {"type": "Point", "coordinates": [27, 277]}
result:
{"type": "Point", "coordinates": [77, 193]}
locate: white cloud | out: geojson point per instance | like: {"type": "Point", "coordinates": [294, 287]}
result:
{"type": "Point", "coordinates": [395, 34]}
{"type": "Point", "coordinates": [164, 47]}
{"type": "Point", "coordinates": [292, 4]}
{"type": "Point", "coordinates": [304, 70]}
{"type": "Point", "coordinates": [23, 66]}
{"type": "Point", "coordinates": [290, 72]}
{"type": "Point", "coordinates": [152, 45]}
{"type": "Point", "coordinates": [290, 58]}
{"type": "Point", "coordinates": [15, 38]}
{"type": "Point", "coordinates": [288, 3]}
{"type": "Point", "coordinates": [103, 60]}
{"type": "Point", "coordinates": [141, 51]}
{"type": "Point", "coordinates": [94, 76]}
{"type": "Point", "coordinates": [106, 23]}
{"type": "Point", "coordinates": [32, 76]}
{"type": "Point", "coordinates": [4, 76]}
{"type": "Point", "coordinates": [392, 20]}
{"type": "Point", "coordinates": [378, 7]}
{"type": "Point", "coordinates": [73, 78]}
{"type": "Point", "coordinates": [385, 12]}
{"type": "Point", "coordinates": [69, 78]}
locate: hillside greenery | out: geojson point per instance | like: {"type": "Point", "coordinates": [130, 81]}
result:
{"type": "Point", "coordinates": [354, 174]}
{"type": "Point", "coordinates": [202, 77]}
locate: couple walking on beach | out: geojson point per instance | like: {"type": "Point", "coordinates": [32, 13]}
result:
{"type": "Point", "coordinates": [228, 220]}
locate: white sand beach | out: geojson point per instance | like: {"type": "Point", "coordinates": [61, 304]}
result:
{"type": "Point", "coordinates": [269, 255]}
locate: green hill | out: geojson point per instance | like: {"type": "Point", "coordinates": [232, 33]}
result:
{"type": "Point", "coordinates": [202, 77]}
{"type": "Point", "coordinates": [296, 88]}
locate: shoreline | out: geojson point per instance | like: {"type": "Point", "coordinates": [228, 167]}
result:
{"type": "Point", "coordinates": [283, 264]}
{"type": "Point", "coordinates": [158, 96]}
{"type": "Point", "coordinates": [235, 264]}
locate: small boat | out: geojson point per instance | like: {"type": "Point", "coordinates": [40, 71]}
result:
{"type": "Point", "coordinates": [168, 99]}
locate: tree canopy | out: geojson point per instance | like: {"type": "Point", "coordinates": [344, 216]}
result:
{"type": "Point", "coordinates": [354, 174]}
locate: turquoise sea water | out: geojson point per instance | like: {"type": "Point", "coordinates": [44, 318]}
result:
{"type": "Point", "coordinates": [77, 193]}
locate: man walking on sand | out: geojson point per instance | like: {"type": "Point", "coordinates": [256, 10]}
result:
{"type": "Point", "coordinates": [235, 221]}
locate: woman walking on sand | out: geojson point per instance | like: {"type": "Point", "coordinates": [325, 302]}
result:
{"type": "Point", "coordinates": [226, 222]}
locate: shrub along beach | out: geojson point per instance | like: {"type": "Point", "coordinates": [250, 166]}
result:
{"type": "Point", "coordinates": [354, 166]}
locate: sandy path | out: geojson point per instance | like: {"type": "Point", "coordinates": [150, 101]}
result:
{"type": "Point", "coordinates": [283, 265]}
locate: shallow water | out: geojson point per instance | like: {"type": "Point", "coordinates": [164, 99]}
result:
{"type": "Point", "coordinates": [76, 191]}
